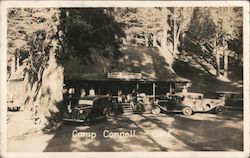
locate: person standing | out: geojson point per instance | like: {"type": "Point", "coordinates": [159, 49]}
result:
{"type": "Point", "coordinates": [83, 93]}
{"type": "Point", "coordinates": [71, 99]}
{"type": "Point", "coordinates": [119, 96]}
{"type": "Point", "coordinates": [91, 92]}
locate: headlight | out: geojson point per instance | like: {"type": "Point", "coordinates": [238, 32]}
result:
{"type": "Point", "coordinates": [81, 111]}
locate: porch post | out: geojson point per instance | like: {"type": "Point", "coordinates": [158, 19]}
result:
{"type": "Point", "coordinates": [99, 89]}
{"type": "Point", "coordinates": [137, 86]}
{"type": "Point", "coordinates": [170, 88]}
{"type": "Point", "coordinates": [154, 91]}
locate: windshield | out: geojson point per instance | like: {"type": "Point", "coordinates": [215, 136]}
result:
{"type": "Point", "coordinates": [198, 97]}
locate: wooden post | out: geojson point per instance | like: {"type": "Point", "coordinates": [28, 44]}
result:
{"type": "Point", "coordinates": [137, 87]}
{"type": "Point", "coordinates": [154, 91]}
{"type": "Point", "coordinates": [170, 89]}
{"type": "Point", "coordinates": [99, 90]}
{"type": "Point", "coordinates": [13, 65]}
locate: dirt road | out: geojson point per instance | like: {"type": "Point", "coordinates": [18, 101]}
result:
{"type": "Point", "coordinates": [141, 132]}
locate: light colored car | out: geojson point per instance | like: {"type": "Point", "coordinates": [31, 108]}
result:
{"type": "Point", "coordinates": [195, 102]}
{"type": "Point", "coordinates": [189, 103]}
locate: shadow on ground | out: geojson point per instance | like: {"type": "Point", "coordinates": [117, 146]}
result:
{"type": "Point", "coordinates": [199, 132]}
{"type": "Point", "coordinates": [214, 133]}
{"type": "Point", "coordinates": [68, 143]}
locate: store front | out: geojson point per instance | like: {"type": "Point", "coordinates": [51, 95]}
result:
{"type": "Point", "coordinates": [140, 69]}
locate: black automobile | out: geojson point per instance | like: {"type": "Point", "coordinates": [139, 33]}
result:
{"type": "Point", "coordinates": [13, 104]}
{"type": "Point", "coordinates": [90, 109]}
{"type": "Point", "coordinates": [233, 100]}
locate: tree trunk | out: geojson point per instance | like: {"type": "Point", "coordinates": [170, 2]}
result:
{"type": "Point", "coordinates": [225, 63]}
{"type": "Point", "coordinates": [177, 40]}
{"type": "Point", "coordinates": [217, 62]}
{"type": "Point", "coordinates": [51, 91]}
{"type": "Point", "coordinates": [164, 25]}
{"type": "Point", "coordinates": [217, 58]}
{"type": "Point", "coordinates": [174, 34]}
{"type": "Point", "coordinates": [163, 50]}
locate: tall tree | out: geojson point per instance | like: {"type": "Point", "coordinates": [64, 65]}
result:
{"type": "Point", "coordinates": [227, 27]}
{"type": "Point", "coordinates": [149, 23]}
{"type": "Point", "coordinates": [34, 36]}
{"type": "Point", "coordinates": [181, 18]}
{"type": "Point", "coordinates": [213, 34]}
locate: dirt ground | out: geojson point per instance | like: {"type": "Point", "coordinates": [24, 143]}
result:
{"type": "Point", "coordinates": [146, 132]}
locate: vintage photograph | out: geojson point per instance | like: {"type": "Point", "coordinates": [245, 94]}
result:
{"type": "Point", "coordinates": [125, 79]}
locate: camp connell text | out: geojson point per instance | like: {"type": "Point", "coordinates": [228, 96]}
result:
{"type": "Point", "coordinates": [116, 134]}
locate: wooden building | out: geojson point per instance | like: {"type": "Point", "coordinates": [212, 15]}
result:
{"type": "Point", "coordinates": [140, 68]}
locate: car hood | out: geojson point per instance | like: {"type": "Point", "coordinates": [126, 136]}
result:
{"type": "Point", "coordinates": [214, 101]}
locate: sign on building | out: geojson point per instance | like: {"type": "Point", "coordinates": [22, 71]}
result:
{"type": "Point", "coordinates": [124, 75]}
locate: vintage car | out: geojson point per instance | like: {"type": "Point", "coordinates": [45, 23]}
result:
{"type": "Point", "coordinates": [90, 109]}
{"type": "Point", "coordinates": [12, 104]}
{"type": "Point", "coordinates": [233, 100]}
{"type": "Point", "coordinates": [188, 103]}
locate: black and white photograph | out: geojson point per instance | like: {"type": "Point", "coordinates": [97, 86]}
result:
{"type": "Point", "coordinates": [106, 77]}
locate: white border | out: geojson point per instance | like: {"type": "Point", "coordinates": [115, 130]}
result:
{"type": "Point", "coordinates": [124, 3]}
{"type": "Point", "coordinates": [3, 64]}
{"type": "Point", "coordinates": [246, 72]}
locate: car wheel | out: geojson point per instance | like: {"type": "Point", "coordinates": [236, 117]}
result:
{"type": "Point", "coordinates": [87, 121]}
{"type": "Point", "coordinates": [187, 111]}
{"type": "Point", "coordinates": [107, 112]}
{"type": "Point", "coordinates": [220, 110]}
{"type": "Point", "coordinates": [156, 110]}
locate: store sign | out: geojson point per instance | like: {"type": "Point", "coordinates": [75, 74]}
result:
{"type": "Point", "coordinates": [124, 75]}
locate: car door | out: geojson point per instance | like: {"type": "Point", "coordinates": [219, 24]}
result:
{"type": "Point", "coordinates": [198, 103]}
{"type": "Point", "coordinates": [101, 106]}
{"type": "Point", "coordinates": [96, 108]}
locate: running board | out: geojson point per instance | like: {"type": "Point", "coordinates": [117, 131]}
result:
{"type": "Point", "coordinates": [73, 120]}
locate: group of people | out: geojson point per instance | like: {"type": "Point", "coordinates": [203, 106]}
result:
{"type": "Point", "coordinates": [91, 92]}
{"type": "Point", "coordinates": [132, 98]}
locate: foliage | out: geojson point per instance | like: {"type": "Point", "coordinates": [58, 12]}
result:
{"type": "Point", "coordinates": [140, 23]}
{"type": "Point", "coordinates": [35, 40]}
{"type": "Point", "coordinates": [210, 29]}
{"type": "Point", "coordinates": [90, 28]}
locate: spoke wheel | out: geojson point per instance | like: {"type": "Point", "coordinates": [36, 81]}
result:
{"type": "Point", "coordinates": [107, 112]}
{"type": "Point", "coordinates": [88, 121]}
{"type": "Point", "coordinates": [220, 110]}
{"type": "Point", "coordinates": [187, 111]}
{"type": "Point", "coordinates": [156, 110]}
